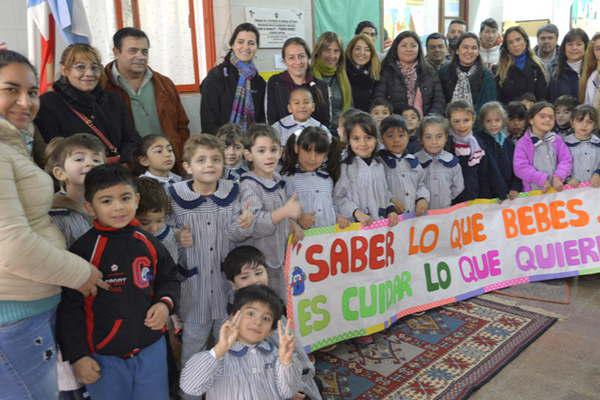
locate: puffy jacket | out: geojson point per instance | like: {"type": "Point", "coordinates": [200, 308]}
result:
{"type": "Point", "coordinates": [565, 83]}
{"type": "Point", "coordinates": [483, 85]}
{"type": "Point", "coordinates": [518, 82]}
{"type": "Point", "coordinates": [392, 88]}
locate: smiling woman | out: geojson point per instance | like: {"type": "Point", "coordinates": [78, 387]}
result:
{"type": "Point", "coordinates": [363, 68]}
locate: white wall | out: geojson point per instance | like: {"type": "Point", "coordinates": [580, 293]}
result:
{"type": "Point", "coordinates": [13, 24]}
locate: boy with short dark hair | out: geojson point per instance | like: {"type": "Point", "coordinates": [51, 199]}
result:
{"type": "Point", "coordinates": [517, 120]}
{"type": "Point", "coordinates": [114, 340]}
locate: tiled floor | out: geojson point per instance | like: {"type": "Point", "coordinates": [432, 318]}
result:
{"type": "Point", "coordinates": [564, 363]}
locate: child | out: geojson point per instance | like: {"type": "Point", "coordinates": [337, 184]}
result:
{"type": "Point", "coordinates": [403, 172]}
{"type": "Point", "coordinates": [380, 110]}
{"type": "Point", "coordinates": [209, 206]}
{"type": "Point", "coordinates": [527, 99]}
{"type": "Point", "coordinates": [342, 135]}
{"type": "Point", "coordinates": [232, 136]}
{"type": "Point", "coordinates": [245, 266]}
{"type": "Point", "coordinates": [481, 176]}
{"type": "Point", "coordinates": [244, 364]}
{"type": "Point", "coordinates": [362, 193]}
{"type": "Point", "coordinates": [262, 190]}
{"type": "Point", "coordinates": [584, 146]}
{"type": "Point", "coordinates": [443, 175]}
{"type": "Point", "coordinates": [517, 120]}
{"type": "Point", "coordinates": [311, 178]}
{"type": "Point", "coordinates": [492, 119]}
{"type": "Point", "coordinates": [542, 160]}
{"type": "Point", "coordinates": [114, 339]}
{"type": "Point", "coordinates": [300, 106]}
{"type": "Point", "coordinates": [564, 106]}
{"type": "Point", "coordinates": [155, 156]}
{"type": "Point", "coordinates": [412, 119]}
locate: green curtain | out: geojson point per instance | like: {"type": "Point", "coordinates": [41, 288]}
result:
{"type": "Point", "coordinates": [342, 16]}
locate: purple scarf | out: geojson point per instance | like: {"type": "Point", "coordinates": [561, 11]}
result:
{"type": "Point", "coordinates": [242, 109]}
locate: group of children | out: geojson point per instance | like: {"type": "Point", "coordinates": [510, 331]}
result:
{"type": "Point", "coordinates": [206, 253]}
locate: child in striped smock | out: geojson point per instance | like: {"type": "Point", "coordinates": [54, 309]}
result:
{"type": "Point", "coordinates": [311, 167]}
{"type": "Point", "coordinates": [233, 137]}
{"type": "Point", "coordinates": [155, 159]}
{"type": "Point", "coordinates": [584, 146]}
{"type": "Point", "coordinates": [210, 207]}
{"type": "Point", "coordinates": [263, 192]}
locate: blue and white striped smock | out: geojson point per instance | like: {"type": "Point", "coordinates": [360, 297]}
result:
{"type": "Point", "coordinates": [406, 178]}
{"type": "Point", "coordinates": [443, 177]}
{"type": "Point", "coordinates": [244, 373]}
{"type": "Point", "coordinates": [165, 181]}
{"type": "Point", "coordinates": [586, 157]}
{"type": "Point", "coordinates": [213, 222]}
{"type": "Point", "coordinates": [167, 238]}
{"type": "Point", "coordinates": [69, 218]}
{"type": "Point", "coordinates": [315, 194]}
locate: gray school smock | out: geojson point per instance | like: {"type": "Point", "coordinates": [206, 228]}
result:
{"type": "Point", "coordinates": [213, 223]}
{"type": "Point", "coordinates": [167, 238]}
{"type": "Point", "coordinates": [544, 156]}
{"type": "Point", "coordinates": [234, 172]}
{"type": "Point", "coordinates": [315, 193]}
{"type": "Point", "coordinates": [586, 157]}
{"type": "Point", "coordinates": [443, 178]}
{"type": "Point", "coordinates": [69, 218]}
{"type": "Point", "coordinates": [406, 178]}
{"type": "Point", "coordinates": [288, 126]}
{"type": "Point", "coordinates": [362, 187]}
{"type": "Point", "coordinates": [165, 181]}
{"type": "Point", "coordinates": [265, 196]}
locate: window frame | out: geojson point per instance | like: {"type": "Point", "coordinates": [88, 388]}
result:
{"type": "Point", "coordinates": [463, 10]}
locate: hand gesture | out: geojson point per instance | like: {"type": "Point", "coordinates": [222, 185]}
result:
{"type": "Point", "coordinates": [392, 219]}
{"type": "Point", "coordinates": [287, 342]}
{"type": "Point", "coordinates": [573, 182]}
{"type": "Point", "coordinates": [557, 183]}
{"type": "Point", "coordinates": [547, 186]}
{"type": "Point", "coordinates": [246, 217]}
{"type": "Point", "coordinates": [297, 232]}
{"type": "Point", "coordinates": [156, 316]}
{"type": "Point", "coordinates": [307, 220]}
{"type": "Point", "coordinates": [595, 181]}
{"type": "Point", "coordinates": [513, 194]}
{"type": "Point", "coordinates": [184, 237]}
{"type": "Point", "coordinates": [342, 222]}
{"type": "Point", "coordinates": [293, 207]}
{"type": "Point", "coordinates": [90, 287]}
{"type": "Point", "coordinates": [86, 370]}
{"type": "Point", "coordinates": [421, 207]}
{"type": "Point", "coordinates": [398, 205]}
{"type": "Point", "coordinates": [228, 335]}
{"type": "Point", "coordinates": [363, 218]}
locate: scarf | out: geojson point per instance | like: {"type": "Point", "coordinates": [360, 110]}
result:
{"type": "Point", "coordinates": [242, 109]}
{"type": "Point", "coordinates": [462, 90]}
{"type": "Point", "coordinates": [521, 60]}
{"type": "Point", "coordinates": [81, 101]}
{"type": "Point", "coordinates": [499, 137]}
{"type": "Point", "coordinates": [413, 92]}
{"type": "Point", "coordinates": [468, 146]}
{"type": "Point", "coordinates": [320, 70]}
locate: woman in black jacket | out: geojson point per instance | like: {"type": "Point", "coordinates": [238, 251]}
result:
{"type": "Point", "coordinates": [296, 56]}
{"type": "Point", "coordinates": [569, 65]}
{"type": "Point", "coordinates": [407, 80]}
{"type": "Point", "coordinates": [363, 69]}
{"type": "Point", "coordinates": [519, 71]}
{"type": "Point", "coordinates": [79, 104]}
{"type": "Point", "coordinates": [233, 91]}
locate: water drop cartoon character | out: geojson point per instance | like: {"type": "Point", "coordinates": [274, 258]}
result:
{"type": "Point", "coordinates": [297, 284]}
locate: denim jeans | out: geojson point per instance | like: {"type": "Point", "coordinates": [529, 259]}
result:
{"type": "Point", "coordinates": [28, 359]}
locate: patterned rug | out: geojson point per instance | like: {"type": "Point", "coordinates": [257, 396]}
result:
{"type": "Point", "coordinates": [447, 353]}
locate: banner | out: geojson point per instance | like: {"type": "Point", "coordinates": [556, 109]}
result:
{"type": "Point", "coordinates": [358, 281]}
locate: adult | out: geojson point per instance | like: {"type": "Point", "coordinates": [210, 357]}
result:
{"type": "Point", "coordinates": [152, 98]}
{"type": "Point", "coordinates": [233, 91]}
{"type": "Point", "coordinates": [490, 43]}
{"type": "Point", "coordinates": [569, 66]}
{"type": "Point", "coordinates": [437, 50]}
{"type": "Point", "coordinates": [407, 80]}
{"type": "Point", "coordinates": [456, 27]}
{"type": "Point", "coordinates": [589, 84]}
{"type": "Point", "coordinates": [366, 28]}
{"type": "Point", "coordinates": [465, 78]}
{"type": "Point", "coordinates": [330, 66]}
{"type": "Point", "coordinates": [519, 70]}
{"type": "Point", "coordinates": [33, 262]}
{"type": "Point", "coordinates": [363, 69]}
{"type": "Point", "coordinates": [547, 47]}
{"type": "Point", "coordinates": [296, 56]}
{"type": "Point", "coordinates": [79, 104]}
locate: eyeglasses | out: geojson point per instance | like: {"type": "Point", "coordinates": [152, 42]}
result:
{"type": "Point", "coordinates": [81, 68]}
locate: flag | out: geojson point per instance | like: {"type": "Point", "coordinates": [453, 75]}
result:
{"type": "Point", "coordinates": [70, 20]}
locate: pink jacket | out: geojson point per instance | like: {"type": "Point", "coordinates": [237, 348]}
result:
{"type": "Point", "coordinates": [523, 161]}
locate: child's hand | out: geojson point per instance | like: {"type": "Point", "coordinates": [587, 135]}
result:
{"type": "Point", "coordinates": [547, 186]}
{"type": "Point", "coordinates": [299, 396]}
{"type": "Point", "coordinates": [363, 218]}
{"type": "Point", "coordinates": [421, 207]}
{"type": "Point", "coordinates": [399, 206]}
{"type": "Point", "coordinates": [595, 181]}
{"type": "Point", "coordinates": [343, 222]}
{"type": "Point", "coordinates": [392, 219]}
{"type": "Point", "coordinates": [86, 370]}
{"type": "Point", "coordinates": [228, 334]}
{"type": "Point", "coordinates": [297, 232]}
{"type": "Point", "coordinates": [573, 182]}
{"type": "Point", "coordinates": [307, 220]}
{"type": "Point", "coordinates": [293, 208]}
{"type": "Point", "coordinates": [513, 194]}
{"type": "Point", "coordinates": [287, 343]}
{"type": "Point", "coordinates": [184, 237]}
{"type": "Point", "coordinates": [156, 316]}
{"type": "Point", "coordinates": [246, 217]}
{"type": "Point", "coordinates": [557, 183]}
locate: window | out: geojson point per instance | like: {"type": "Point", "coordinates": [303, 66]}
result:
{"type": "Point", "coordinates": [449, 10]}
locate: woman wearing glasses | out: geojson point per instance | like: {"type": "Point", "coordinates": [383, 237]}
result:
{"type": "Point", "coordinates": [79, 104]}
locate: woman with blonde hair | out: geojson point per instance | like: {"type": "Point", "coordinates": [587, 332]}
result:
{"type": "Point", "coordinates": [79, 104]}
{"type": "Point", "coordinates": [363, 69]}
{"type": "Point", "coordinates": [589, 83]}
{"type": "Point", "coordinates": [330, 66]}
{"type": "Point", "coordinates": [520, 71]}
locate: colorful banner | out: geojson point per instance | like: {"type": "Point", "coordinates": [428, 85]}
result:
{"type": "Point", "coordinates": [358, 281]}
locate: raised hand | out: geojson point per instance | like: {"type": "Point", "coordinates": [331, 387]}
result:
{"type": "Point", "coordinates": [228, 335]}
{"type": "Point", "coordinates": [246, 217]}
{"type": "Point", "coordinates": [287, 342]}
{"type": "Point", "coordinates": [86, 370]}
{"type": "Point", "coordinates": [156, 316]}
{"type": "Point", "coordinates": [421, 207]}
{"type": "Point", "coordinates": [307, 220]}
{"type": "Point", "coordinates": [293, 207]}
{"type": "Point", "coordinates": [184, 237]}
